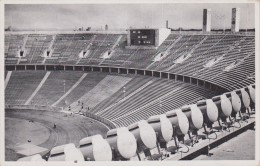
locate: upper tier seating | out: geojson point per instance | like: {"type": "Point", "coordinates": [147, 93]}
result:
{"type": "Point", "coordinates": [191, 51]}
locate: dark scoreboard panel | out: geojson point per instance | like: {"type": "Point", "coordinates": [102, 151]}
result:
{"type": "Point", "coordinates": [142, 37]}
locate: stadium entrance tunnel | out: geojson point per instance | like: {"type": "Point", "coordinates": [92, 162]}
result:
{"type": "Point", "coordinates": [140, 72]}
{"type": "Point", "coordinates": [156, 74]}
{"type": "Point", "coordinates": [122, 71]}
{"type": "Point", "coordinates": [40, 67]}
{"type": "Point", "coordinates": [61, 67]}
{"type": "Point", "coordinates": [149, 73]}
{"type": "Point", "coordinates": [105, 69]}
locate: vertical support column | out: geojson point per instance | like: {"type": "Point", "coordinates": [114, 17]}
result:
{"type": "Point", "coordinates": [118, 71]}
{"type": "Point", "coordinates": [160, 74]}
{"type": "Point", "coordinates": [127, 71]}
{"type": "Point", "coordinates": [45, 68]}
{"type": "Point", "coordinates": [144, 72]}
{"type": "Point", "coordinates": [206, 20]}
{"type": "Point", "coordinates": [25, 67]}
{"type": "Point", "coordinates": [109, 69]}
{"type": "Point", "coordinates": [235, 20]}
{"type": "Point", "coordinates": [190, 80]}
{"type": "Point", "coordinates": [183, 79]}
{"type": "Point", "coordinates": [34, 67]}
{"type": "Point", "coordinates": [92, 68]}
{"type": "Point", "coordinates": [135, 71]}
{"type": "Point", "coordinates": [197, 82]}
{"type": "Point", "coordinates": [168, 76]}
{"type": "Point", "coordinates": [64, 67]}
{"type": "Point", "coordinates": [101, 69]}
{"type": "Point", "coordinates": [152, 73]}
{"type": "Point", "coordinates": [73, 68]}
{"type": "Point", "coordinates": [175, 77]}
{"type": "Point", "coordinates": [15, 67]}
{"type": "Point", "coordinates": [128, 38]}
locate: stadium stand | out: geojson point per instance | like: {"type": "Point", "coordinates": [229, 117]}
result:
{"type": "Point", "coordinates": [87, 84]}
{"type": "Point", "coordinates": [35, 46]}
{"type": "Point", "coordinates": [21, 85]}
{"type": "Point", "coordinates": [54, 87]}
{"type": "Point", "coordinates": [104, 89]}
{"type": "Point", "coordinates": [98, 89]}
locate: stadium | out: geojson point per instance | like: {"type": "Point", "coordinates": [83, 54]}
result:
{"type": "Point", "coordinates": [137, 94]}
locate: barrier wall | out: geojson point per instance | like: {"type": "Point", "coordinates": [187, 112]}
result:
{"type": "Point", "coordinates": [119, 70]}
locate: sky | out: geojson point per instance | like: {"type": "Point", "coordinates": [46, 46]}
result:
{"type": "Point", "coordinates": [122, 16]}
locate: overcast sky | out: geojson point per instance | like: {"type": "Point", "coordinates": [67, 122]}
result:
{"type": "Point", "coordinates": [122, 16]}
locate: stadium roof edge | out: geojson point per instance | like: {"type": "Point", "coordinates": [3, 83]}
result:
{"type": "Point", "coordinates": [65, 32]}
{"type": "Point", "coordinates": [124, 32]}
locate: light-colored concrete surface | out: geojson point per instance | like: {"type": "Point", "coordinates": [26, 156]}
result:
{"type": "Point", "coordinates": [241, 147]}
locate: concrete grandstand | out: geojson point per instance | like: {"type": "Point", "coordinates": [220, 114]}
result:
{"type": "Point", "coordinates": [73, 85]}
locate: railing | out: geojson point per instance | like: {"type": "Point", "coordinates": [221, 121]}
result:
{"type": "Point", "coordinates": [118, 70]}
{"type": "Point", "coordinates": [108, 123]}
{"type": "Point", "coordinates": [33, 107]}
{"type": "Point", "coordinates": [182, 32]}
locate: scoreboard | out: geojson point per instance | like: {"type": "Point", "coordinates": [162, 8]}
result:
{"type": "Point", "coordinates": [142, 37]}
{"type": "Point", "coordinates": [146, 38]}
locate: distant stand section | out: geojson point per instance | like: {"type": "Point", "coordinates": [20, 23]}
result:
{"type": "Point", "coordinates": [148, 38]}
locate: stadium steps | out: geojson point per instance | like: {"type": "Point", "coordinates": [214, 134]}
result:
{"type": "Point", "coordinates": [104, 89]}
{"type": "Point", "coordinates": [158, 88]}
{"type": "Point", "coordinates": [178, 47]}
{"type": "Point", "coordinates": [25, 41]}
{"type": "Point", "coordinates": [130, 87]}
{"type": "Point", "coordinates": [127, 97]}
{"type": "Point", "coordinates": [228, 58]}
{"type": "Point", "coordinates": [99, 50]}
{"type": "Point", "coordinates": [154, 101]}
{"type": "Point", "coordinates": [21, 85]}
{"type": "Point", "coordinates": [227, 79]}
{"type": "Point", "coordinates": [70, 90]}
{"type": "Point", "coordinates": [229, 53]}
{"type": "Point", "coordinates": [7, 78]}
{"type": "Point", "coordinates": [166, 52]}
{"type": "Point", "coordinates": [117, 42]}
{"type": "Point", "coordinates": [57, 84]}
{"type": "Point", "coordinates": [191, 51]}
{"type": "Point", "coordinates": [38, 88]}
{"type": "Point", "coordinates": [113, 47]}
{"type": "Point", "coordinates": [168, 102]}
{"type": "Point", "coordinates": [87, 48]}
{"type": "Point", "coordinates": [199, 55]}
{"type": "Point", "coordinates": [18, 61]}
{"type": "Point", "coordinates": [88, 83]}
{"type": "Point", "coordinates": [50, 46]}
{"type": "Point", "coordinates": [12, 44]}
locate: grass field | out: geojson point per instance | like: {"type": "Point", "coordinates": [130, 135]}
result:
{"type": "Point", "coordinates": [37, 126]}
